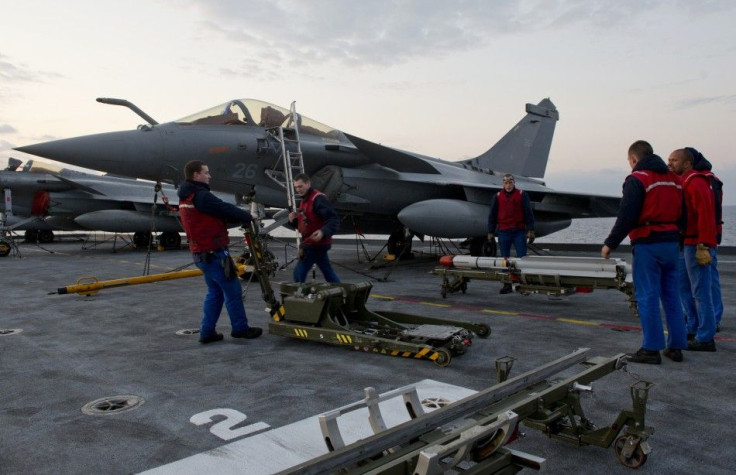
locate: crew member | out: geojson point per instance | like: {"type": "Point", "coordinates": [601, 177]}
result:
{"type": "Point", "coordinates": [702, 165]}
{"type": "Point", "coordinates": [651, 213]}
{"type": "Point", "coordinates": [316, 221]}
{"type": "Point", "coordinates": [205, 217]}
{"type": "Point", "coordinates": [699, 248]}
{"type": "Point", "coordinates": [511, 218]}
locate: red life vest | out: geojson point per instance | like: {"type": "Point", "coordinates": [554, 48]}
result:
{"type": "Point", "coordinates": [510, 210]}
{"type": "Point", "coordinates": [701, 221]}
{"type": "Point", "coordinates": [309, 222]}
{"type": "Point", "coordinates": [662, 206]}
{"type": "Point", "coordinates": [204, 232]}
{"type": "Point", "coordinates": [716, 186]}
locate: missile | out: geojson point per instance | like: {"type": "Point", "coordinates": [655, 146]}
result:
{"type": "Point", "coordinates": [593, 267]}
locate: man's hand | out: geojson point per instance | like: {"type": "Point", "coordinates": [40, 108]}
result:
{"type": "Point", "coordinates": [605, 252]}
{"type": "Point", "coordinates": [317, 235]}
{"type": "Point", "coordinates": [702, 255]}
{"type": "Point", "coordinates": [530, 236]}
{"type": "Point", "coordinates": [490, 236]}
{"type": "Point", "coordinates": [292, 216]}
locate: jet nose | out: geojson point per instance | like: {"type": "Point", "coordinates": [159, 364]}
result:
{"type": "Point", "coordinates": [91, 151]}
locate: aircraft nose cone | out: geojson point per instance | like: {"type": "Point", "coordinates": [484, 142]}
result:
{"type": "Point", "coordinates": [90, 151]}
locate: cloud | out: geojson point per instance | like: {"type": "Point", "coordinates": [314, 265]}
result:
{"type": "Point", "coordinates": [11, 72]}
{"type": "Point", "coordinates": [7, 129]}
{"type": "Point", "coordinates": [729, 100]}
{"type": "Point", "coordinates": [390, 32]}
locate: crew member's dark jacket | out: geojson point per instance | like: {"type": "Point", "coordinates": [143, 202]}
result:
{"type": "Point", "coordinates": [316, 213]}
{"type": "Point", "coordinates": [205, 217]}
{"type": "Point", "coordinates": [639, 203]}
{"type": "Point", "coordinates": [510, 211]}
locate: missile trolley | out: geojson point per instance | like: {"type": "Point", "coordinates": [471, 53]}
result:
{"type": "Point", "coordinates": [551, 275]}
{"type": "Point", "coordinates": [475, 434]}
{"type": "Point", "coordinates": [335, 313]}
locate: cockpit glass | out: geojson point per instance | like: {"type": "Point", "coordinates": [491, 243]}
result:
{"type": "Point", "coordinates": [261, 114]}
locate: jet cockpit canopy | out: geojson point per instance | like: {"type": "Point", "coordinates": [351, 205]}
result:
{"type": "Point", "coordinates": [260, 114]}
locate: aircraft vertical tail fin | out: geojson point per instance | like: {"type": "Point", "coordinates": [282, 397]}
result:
{"type": "Point", "coordinates": [524, 150]}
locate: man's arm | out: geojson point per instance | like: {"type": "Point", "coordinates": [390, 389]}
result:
{"type": "Point", "coordinates": [207, 202]}
{"type": "Point", "coordinates": [493, 216]}
{"type": "Point", "coordinates": [702, 199]}
{"type": "Point", "coordinates": [628, 212]}
{"type": "Point", "coordinates": [324, 210]}
{"type": "Point", "coordinates": [526, 205]}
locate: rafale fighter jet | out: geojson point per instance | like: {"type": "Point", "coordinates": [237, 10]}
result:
{"type": "Point", "coordinates": [376, 189]}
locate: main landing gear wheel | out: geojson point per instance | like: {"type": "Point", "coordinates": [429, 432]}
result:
{"type": "Point", "coordinates": [141, 239]}
{"type": "Point", "coordinates": [45, 236]}
{"type": "Point", "coordinates": [169, 240]}
{"type": "Point", "coordinates": [444, 357]}
{"type": "Point", "coordinates": [637, 457]}
{"type": "Point", "coordinates": [483, 330]}
{"type": "Point", "coordinates": [4, 248]}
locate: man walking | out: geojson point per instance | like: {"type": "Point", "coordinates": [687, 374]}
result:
{"type": "Point", "coordinates": [650, 213]}
{"type": "Point", "coordinates": [316, 221]}
{"type": "Point", "coordinates": [204, 217]}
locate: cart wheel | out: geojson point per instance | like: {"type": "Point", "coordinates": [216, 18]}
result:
{"type": "Point", "coordinates": [4, 248]}
{"type": "Point", "coordinates": [443, 292]}
{"type": "Point", "coordinates": [464, 286]}
{"type": "Point", "coordinates": [637, 458]}
{"type": "Point", "coordinates": [443, 358]}
{"type": "Point", "coordinates": [483, 330]}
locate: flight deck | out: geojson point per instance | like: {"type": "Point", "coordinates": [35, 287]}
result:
{"type": "Point", "coordinates": [116, 382]}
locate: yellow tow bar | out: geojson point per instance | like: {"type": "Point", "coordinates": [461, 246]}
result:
{"type": "Point", "coordinates": [91, 285]}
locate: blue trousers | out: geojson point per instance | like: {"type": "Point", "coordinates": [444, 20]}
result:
{"type": "Point", "coordinates": [698, 302]}
{"type": "Point", "coordinates": [315, 255]}
{"type": "Point", "coordinates": [220, 290]}
{"type": "Point", "coordinates": [656, 280]}
{"type": "Point", "coordinates": [686, 293]}
{"type": "Point", "coordinates": [516, 237]}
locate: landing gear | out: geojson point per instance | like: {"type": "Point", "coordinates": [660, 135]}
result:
{"type": "Point", "coordinates": [43, 236]}
{"type": "Point", "coordinates": [142, 239]}
{"type": "Point", "coordinates": [480, 246]}
{"type": "Point", "coordinates": [5, 247]}
{"type": "Point", "coordinates": [169, 240]}
{"type": "Point", "coordinates": [399, 244]}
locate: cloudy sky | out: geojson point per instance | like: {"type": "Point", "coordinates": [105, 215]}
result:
{"type": "Point", "coordinates": [439, 77]}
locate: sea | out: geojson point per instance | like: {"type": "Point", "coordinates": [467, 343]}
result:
{"type": "Point", "coordinates": [595, 230]}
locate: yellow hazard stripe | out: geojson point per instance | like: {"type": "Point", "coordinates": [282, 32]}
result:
{"type": "Point", "coordinates": [301, 333]}
{"type": "Point", "coordinates": [422, 352]}
{"type": "Point", "coordinates": [344, 338]}
{"type": "Point", "coordinates": [278, 313]}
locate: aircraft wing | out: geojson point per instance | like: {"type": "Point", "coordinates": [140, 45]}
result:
{"type": "Point", "coordinates": [392, 158]}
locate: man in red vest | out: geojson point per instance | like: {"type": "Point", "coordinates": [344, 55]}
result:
{"type": "Point", "coordinates": [205, 217]}
{"type": "Point", "coordinates": [511, 218]}
{"type": "Point", "coordinates": [699, 247]}
{"type": "Point", "coordinates": [316, 221]}
{"type": "Point", "coordinates": [651, 214]}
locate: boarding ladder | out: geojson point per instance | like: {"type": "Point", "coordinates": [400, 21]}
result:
{"type": "Point", "coordinates": [290, 163]}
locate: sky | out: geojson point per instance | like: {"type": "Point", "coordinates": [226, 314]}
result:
{"type": "Point", "coordinates": [438, 77]}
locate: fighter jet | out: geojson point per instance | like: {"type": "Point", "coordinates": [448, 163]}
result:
{"type": "Point", "coordinates": [375, 188]}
